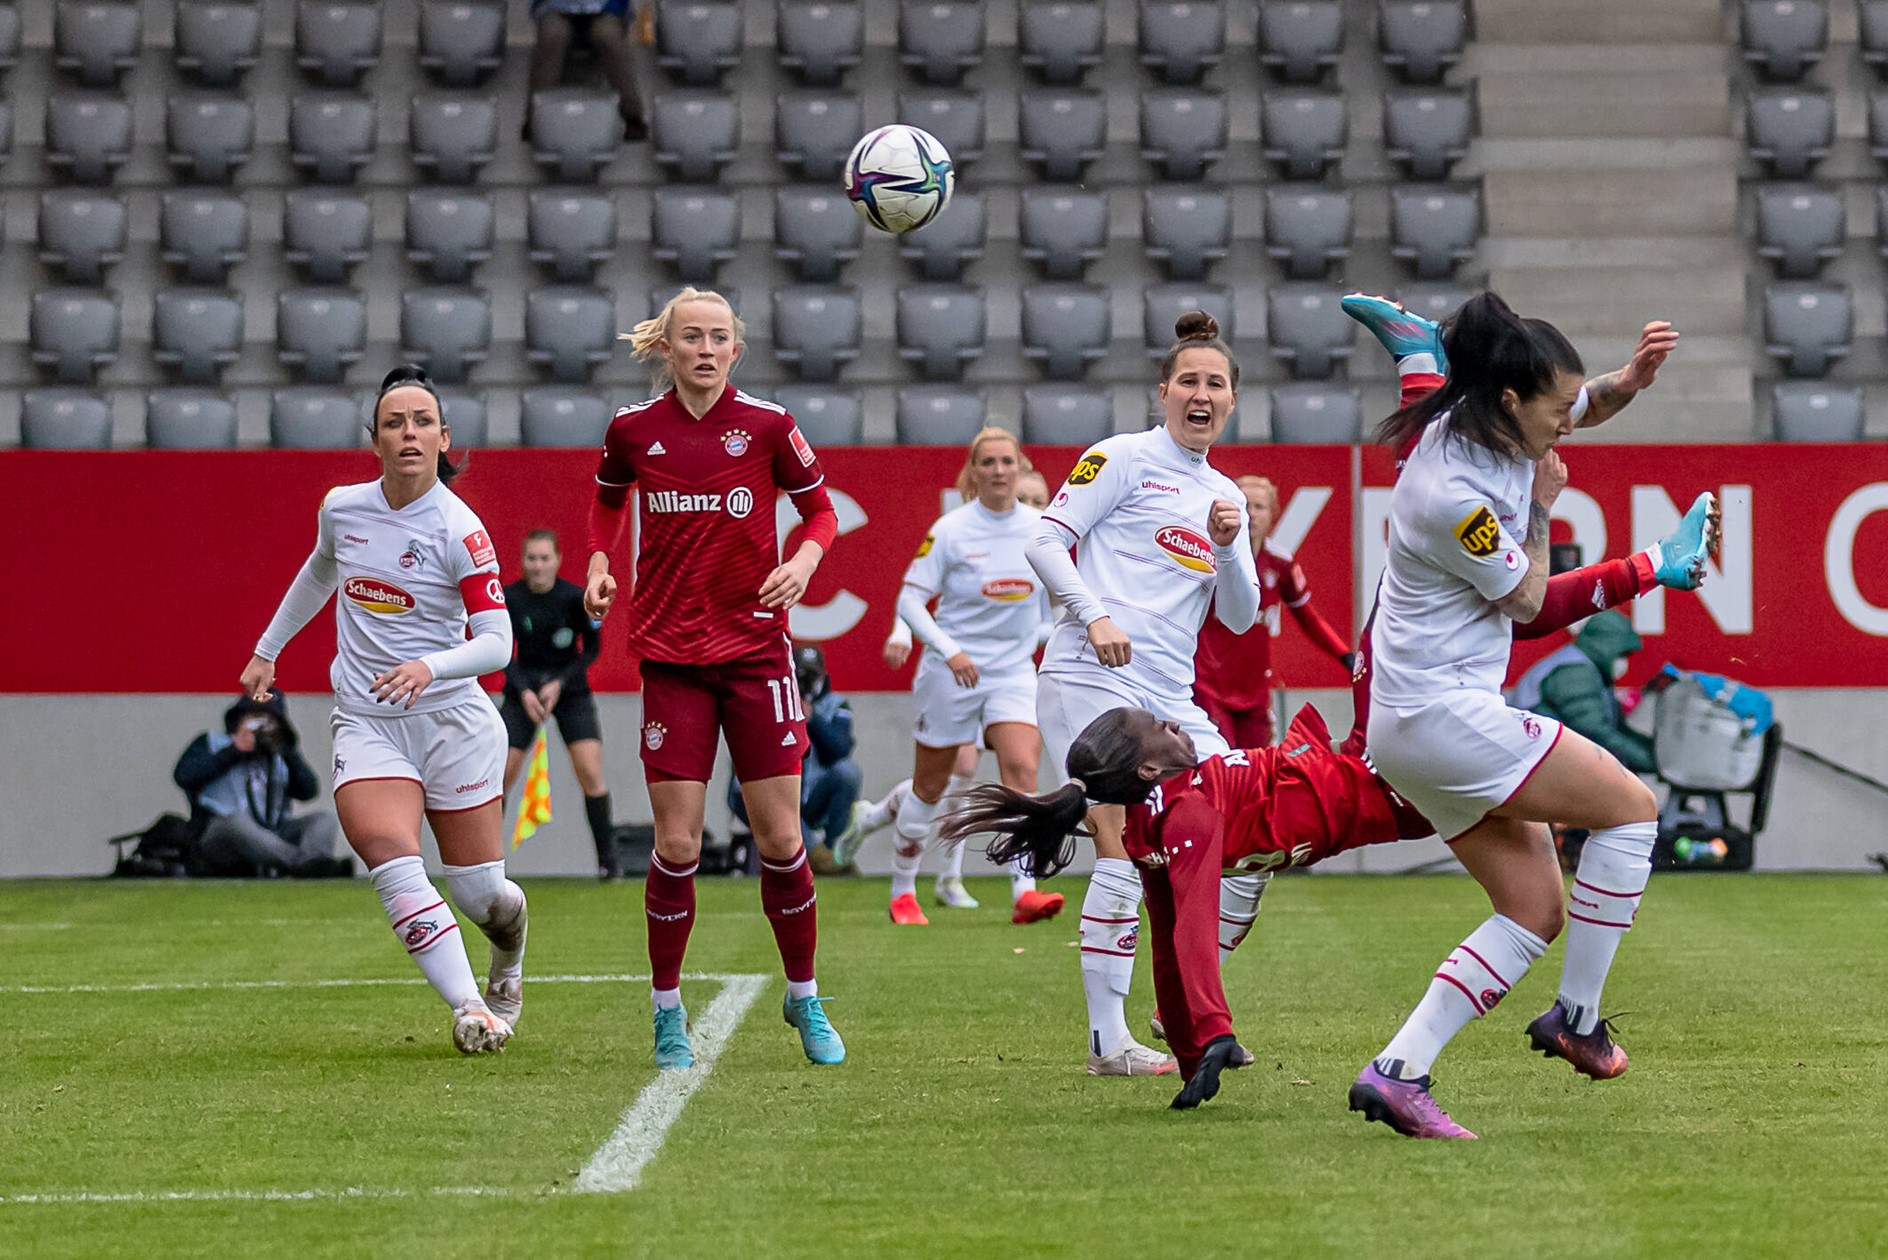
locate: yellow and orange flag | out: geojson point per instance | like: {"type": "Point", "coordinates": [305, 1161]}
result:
{"type": "Point", "coordinates": [535, 809]}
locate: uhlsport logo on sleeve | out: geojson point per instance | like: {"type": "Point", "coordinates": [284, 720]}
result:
{"type": "Point", "coordinates": [377, 596]}
{"type": "Point", "coordinates": [1087, 468]}
{"type": "Point", "coordinates": [1187, 548]}
{"type": "Point", "coordinates": [1479, 533]}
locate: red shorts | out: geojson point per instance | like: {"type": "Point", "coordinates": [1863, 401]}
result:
{"type": "Point", "coordinates": [754, 700]}
{"type": "Point", "coordinates": [1243, 728]}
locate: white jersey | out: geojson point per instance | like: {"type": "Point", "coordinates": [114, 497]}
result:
{"type": "Point", "coordinates": [1136, 508]}
{"type": "Point", "coordinates": [1453, 519]}
{"type": "Point", "coordinates": [989, 601]}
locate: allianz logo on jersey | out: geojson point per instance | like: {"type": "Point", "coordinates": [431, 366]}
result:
{"type": "Point", "coordinates": [738, 502]}
{"type": "Point", "coordinates": [1189, 549]}
{"type": "Point", "coordinates": [377, 596]}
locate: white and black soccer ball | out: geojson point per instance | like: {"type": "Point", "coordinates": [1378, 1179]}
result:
{"type": "Point", "coordinates": [899, 178]}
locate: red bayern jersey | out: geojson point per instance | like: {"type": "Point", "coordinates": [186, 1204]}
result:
{"type": "Point", "coordinates": [1236, 669]}
{"type": "Point", "coordinates": [705, 534]}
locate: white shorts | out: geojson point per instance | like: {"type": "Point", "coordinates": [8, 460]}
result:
{"type": "Point", "coordinates": [947, 715]}
{"type": "Point", "coordinates": [1067, 703]}
{"type": "Point", "coordinates": [1460, 756]}
{"type": "Point", "coordinates": [456, 754]}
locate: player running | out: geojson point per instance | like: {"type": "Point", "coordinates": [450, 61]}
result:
{"type": "Point", "coordinates": [414, 736]}
{"type": "Point", "coordinates": [708, 622]}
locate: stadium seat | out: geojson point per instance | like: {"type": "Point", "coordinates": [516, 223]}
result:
{"type": "Point", "coordinates": [1186, 229]}
{"type": "Point", "coordinates": [1183, 131]}
{"type": "Point", "coordinates": [941, 328]}
{"type": "Point", "coordinates": [1309, 412]}
{"type": "Point", "coordinates": [445, 330]}
{"type": "Point", "coordinates": [64, 420]}
{"type": "Point", "coordinates": [1060, 41]}
{"type": "Point", "coordinates": [570, 231]}
{"type": "Point", "coordinates": [814, 131]}
{"type": "Point", "coordinates": [698, 41]}
{"type": "Point", "coordinates": [1790, 129]}
{"type": "Point", "coordinates": [1062, 130]}
{"type": "Point", "coordinates": [9, 34]}
{"type": "Point", "coordinates": [939, 415]}
{"type": "Point", "coordinates": [97, 40]}
{"type": "Point", "coordinates": [660, 292]}
{"type": "Point", "coordinates": [1784, 38]}
{"type": "Point", "coordinates": [1066, 327]}
{"type": "Point", "coordinates": [330, 135]}
{"type": "Point", "coordinates": [951, 242]}
{"type": "Point", "coordinates": [448, 233]}
{"type": "Point", "coordinates": [694, 134]}
{"type": "Point", "coordinates": [196, 333]}
{"type": "Point", "coordinates": [1817, 411]}
{"type": "Point", "coordinates": [88, 135]}
{"type": "Point", "coordinates": [80, 234]}
{"type": "Point", "coordinates": [1304, 129]}
{"type": "Point", "coordinates": [6, 131]}
{"type": "Point", "coordinates": [558, 415]}
{"type": "Point", "coordinates": [1799, 227]}
{"type": "Point", "coordinates": [320, 333]}
{"type": "Point", "coordinates": [816, 329]}
{"type": "Point", "coordinates": [1878, 124]}
{"type": "Point", "coordinates": [816, 230]}
{"type": "Point", "coordinates": [940, 39]}
{"type": "Point", "coordinates": [1434, 301]}
{"type": "Point", "coordinates": [74, 332]}
{"type": "Point", "coordinates": [1300, 39]}
{"type": "Point", "coordinates": [1067, 415]}
{"type": "Point", "coordinates": [954, 118]}
{"type": "Point", "coordinates": [452, 135]}
{"type": "Point", "coordinates": [464, 412]}
{"type": "Point", "coordinates": [1308, 329]}
{"type": "Point", "coordinates": [308, 417]}
{"type": "Point", "coordinates": [210, 135]}
{"type": "Point", "coordinates": [1181, 41]}
{"type": "Point", "coordinates": [1307, 228]}
{"type": "Point", "coordinates": [697, 229]}
{"type": "Point", "coordinates": [1808, 325]}
{"type": "Point", "coordinates": [1162, 304]}
{"type": "Point", "coordinates": [337, 41]}
{"type": "Point", "coordinates": [1420, 39]}
{"type": "Point", "coordinates": [462, 41]}
{"type": "Point", "coordinates": [818, 41]}
{"type": "Point", "coordinates": [203, 234]}
{"type": "Point", "coordinates": [569, 330]}
{"type": "Point", "coordinates": [1063, 229]}
{"type": "Point", "coordinates": [575, 132]}
{"type": "Point", "coordinates": [217, 41]}
{"type": "Point", "coordinates": [189, 420]}
{"type": "Point", "coordinates": [1433, 228]}
{"type": "Point", "coordinates": [1426, 130]}
{"type": "Point", "coordinates": [326, 233]}
{"type": "Point", "coordinates": [827, 416]}
{"type": "Point", "coordinates": [1873, 33]}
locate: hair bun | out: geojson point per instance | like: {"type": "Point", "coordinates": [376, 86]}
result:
{"type": "Point", "coordinates": [406, 374]}
{"type": "Point", "coordinates": [1196, 326]}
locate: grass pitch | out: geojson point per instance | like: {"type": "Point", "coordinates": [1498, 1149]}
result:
{"type": "Point", "coordinates": [1752, 1123]}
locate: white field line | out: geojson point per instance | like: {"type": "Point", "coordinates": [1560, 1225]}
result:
{"type": "Point", "coordinates": [262, 1196]}
{"type": "Point", "coordinates": [186, 986]}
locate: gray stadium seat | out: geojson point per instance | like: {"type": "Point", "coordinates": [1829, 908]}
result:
{"type": "Point", "coordinates": [1067, 415]}
{"type": "Point", "coordinates": [462, 41]}
{"type": "Point", "coordinates": [453, 134]}
{"type": "Point", "coordinates": [575, 131]}
{"type": "Point", "coordinates": [1808, 325]}
{"type": "Point", "coordinates": [940, 39]}
{"type": "Point", "coordinates": [569, 330]}
{"type": "Point", "coordinates": [326, 233]}
{"type": "Point", "coordinates": [196, 333]}
{"type": "Point", "coordinates": [1308, 329]}
{"type": "Point", "coordinates": [1162, 304]}
{"type": "Point", "coordinates": [950, 242]}
{"type": "Point", "coordinates": [1426, 130]}
{"type": "Point", "coordinates": [939, 415]}
{"type": "Point", "coordinates": [1433, 228]}
{"type": "Point", "coordinates": [80, 234]}
{"type": "Point", "coordinates": [1300, 39]}
{"type": "Point", "coordinates": [330, 135]}
{"type": "Point", "coordinates": [828, 416]}
{"type": "Point", "coordinates": [816, 230]}
{"type": "Point", "coordinates": [1066, 327]}
{"type": "Point", "coordinates": [1307, 412]}
{"type": "Point", "coordinates": [1799, 227]}
{"type": "Point", "coordinates": [571, 231]}
{"type": "Point", "coordinates": [446, 331]}
{"type": "Point", "coordinates": [320, 332]}
{"type": "Point", "coordinates": [448, 233]}
{"type": "Point", "coordinates": [1062, 130]}
{"type": "Point", "coordinates": [697, 41]}
{"type": "Point", "coordinates": [464, 412]}
{"type": "Point", "coordinates": [9, 34]}
{"type": "Point", "coordinates": [74, 332]}
{"type": "Point", "coordinates": [1181, 41]}
{"type": "Point", "coordinates": [1790, 129]}
{"type": "Point", "coordinates": [210, 135]}
{"type": "Point", "coordinates": [697, 229]}
{"type": "Point", "coordinates": [1878, 124]}
{"type": "Point", "coordinates": [814, 131]}
{"type": "Point", "coordinates": [97, 40]}
{"type": "Point", "coordinates": [941, 328]}
{"type": "Point", "coordinates": [189, 420]}
{"type": "Point", "coordinates": [819, 41]}
{"type": "Point", "coordinates": [1817, 411]}
{"type": "Point", "coordinates": [6, 131]}
{"type": "Point", "coordinates": [308, 417]}
{"type": "Point", "coordinates": [1063, 229]}
{"type": "Point", "coordinates": [1060, 41]}
{"type": "Point", "coordinates": [660, 292]}
{"type": "Point", "coordinates": [1304, 129]}
{"type": "Point", "coordinates": [816, 329]}
{"type": "Point", "coordinates": [694, 134]}
{"type": "Point", "coordinates": [217, 41]}
{"type": "Point", "coordinates": [88, 135]}
{"type": "Point", "coordinates": [1784, 38]}
{"type": "Point", "coordinates": [337, 41]}
{"type": "Point", "coordinates": [953, 116]}
{"type": "Point", "coordinates": [1422, 38]}
{"type": "Point", "coordinates": [1307, 228]}
{"type": "Point", "coordinates": [1873, 33]}
{"type": "Point", "coordinates": [203, 234]}
{"type": "Point", "coordinates": [558, 415]}
{"type": "Point", "coordinates": [64, 420]}
{"type": "Point", "coordinates": [1434, 301]}
{"type": "Point", "coordinates": [1186, 229]}
{"type": "Point", "coordinates": [1183, 131]}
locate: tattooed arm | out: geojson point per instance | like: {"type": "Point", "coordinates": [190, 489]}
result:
{"type": "Point", "coordinates": [1608, 395]}
{"type": "Point", "coordinates": [1524, 602]}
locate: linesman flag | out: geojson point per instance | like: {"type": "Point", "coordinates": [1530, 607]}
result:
{"type": "Point", "coordinates": [535, 809]}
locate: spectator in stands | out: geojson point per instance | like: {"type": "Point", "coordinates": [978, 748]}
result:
{"type": "Point", "coordinates": [240, 782]}
{"type": "Point", "coordinates": [606, 26]}
{"type": "Point", "coordinates": [829, 779]}
{"type": "Point", "coordinates": [1575, 685]}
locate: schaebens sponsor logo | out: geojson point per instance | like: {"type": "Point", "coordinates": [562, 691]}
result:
{"type": "Point", "coordinates": [1008, 590]}
{"type": "Point", "coordinates": [377, 596]}
{"type": "Point", "coordinates": [1189, 549]}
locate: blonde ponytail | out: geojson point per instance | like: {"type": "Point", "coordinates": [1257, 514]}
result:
{"type": "Point", "coordinates": [645, 339]}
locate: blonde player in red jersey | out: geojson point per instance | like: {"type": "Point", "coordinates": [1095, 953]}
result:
{"type": "Point", "coordinates": [708, 622]}
{"type": "Point", "coordinates": [414, 737]}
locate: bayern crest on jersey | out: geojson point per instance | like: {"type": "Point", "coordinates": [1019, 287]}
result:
{"type": "Point", "coordinates": [736, 443]}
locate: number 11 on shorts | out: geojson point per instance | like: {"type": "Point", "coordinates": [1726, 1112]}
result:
{"type": "Point", "coordinates": [786, 694]}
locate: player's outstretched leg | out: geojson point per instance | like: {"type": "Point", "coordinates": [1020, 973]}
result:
{"type": "Point", "coordinates": [497, 907]}
{"type": "Point", "coordinates": [425, 926]}
{"type": "Point", "coordinates": [1406, 335]}
{"type": "Point", "coordinates": [1678, 558]}
{"type": "Point", "coordinates": [1111, 931]}
{"type": "Point", "coordinates": [1221, 1054]}
{"type": "Point", "coordinates": [868, 817]}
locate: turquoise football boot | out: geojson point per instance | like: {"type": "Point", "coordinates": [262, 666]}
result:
{"type": "Point", "coordinates": [817, 1037]}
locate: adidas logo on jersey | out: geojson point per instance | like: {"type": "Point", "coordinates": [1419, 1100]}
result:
{"type": "Point", "coordinates": [786, 741]}
{"type": "Point", "coordinates": [656, 448]}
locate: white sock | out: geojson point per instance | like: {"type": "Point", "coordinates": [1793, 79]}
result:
{"type": "Point", "coordinates": [954, 856]}
{"type": "Point", "coordinates": [915, 817]}
{"type": "Point", "coordinates": [1238, 907]}
{"type": "Point", "coordinates": [423, 923]}
{"type": "Point", "coordinates": [1412, 363]}
{"type": "Point", "coordinates": [1020, 881]}
{"type": "Point", "coordinates": [880, 814]}
{"type": "Point", "coordinates": [953, 862]}
{"type": "Point", "coordinates": [797, 989]}
{"type": "Point", "coordinates": [1614, 867]}
{"type": "Point", "coordinates": [1111, 930]}
{"type": "Point", "coordinates": [1471, 980]}
{"type": "Point", "coordinates": [665, 999]}
{"type": "Point", "coordinates": [494, 903]}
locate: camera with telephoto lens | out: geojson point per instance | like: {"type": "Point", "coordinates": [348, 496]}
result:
{"type": "Point", "coordinates": [271, 737]}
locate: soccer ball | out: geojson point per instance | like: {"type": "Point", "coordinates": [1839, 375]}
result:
{"type": "Point", "coordinates": [899, 178]}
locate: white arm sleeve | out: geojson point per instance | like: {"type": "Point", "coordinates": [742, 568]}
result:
{"type": "Point", "coordinates": [486, 652]}
{"type": "Point", "coordinates": [912, 612]}
{"type": "Point", "coordinates": [901, 633]}
{"type": "Point", "coordinates": [1048, 553]}
{"type": "Point", "coordinates": [1236, 590]}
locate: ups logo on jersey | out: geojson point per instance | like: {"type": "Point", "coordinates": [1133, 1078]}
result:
{"type": "Point", "coordinates": [1479, 532]}
{"type": "Point", "coordinates": [1088, 468]}
{"type": "Point", "coordinates": [924, 548]}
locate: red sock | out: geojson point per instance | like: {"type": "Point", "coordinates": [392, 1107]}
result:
{"type": "Point", "coordinates": [669, 902]}
{"type": "Point", "coordinates": [786, 894]}
{"type": "Point", "coordinates": [1417, 386]}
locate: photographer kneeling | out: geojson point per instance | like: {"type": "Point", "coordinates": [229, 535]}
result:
{"type": "Point", "coordinates": [240, 783]}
